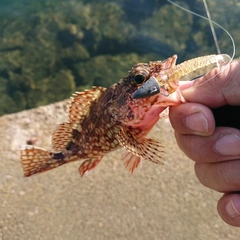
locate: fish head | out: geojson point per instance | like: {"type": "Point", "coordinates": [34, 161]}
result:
{"type": "Point", "coordinates": [142, 111]}
{"type": "Point", "coordinates": [158, 81]}
{"type": "Point", "coordinates": [142, 73]}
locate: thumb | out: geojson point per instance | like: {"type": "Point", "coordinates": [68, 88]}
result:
{"type": "Point", "coordinates": [229, 208]}
{"type": "Point", "coordinates": [217, 88]}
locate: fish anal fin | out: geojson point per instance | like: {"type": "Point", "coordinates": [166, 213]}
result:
{"type": "Point", "coordinates": [88, 165]}
{"type": "Point", "coordinates": [80, 103]}
{"type": "Point", "coordinates": [147, 148]}
{"type": "Point", "coordinates": [131, 161]}
{"type": "Point", "coordinates": [61, 136]}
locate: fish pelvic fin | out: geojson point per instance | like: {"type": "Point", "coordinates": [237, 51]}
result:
{"type": "Point", "coordinates": [131, 161]}
{"type": "Point", "coordinates": [147, 148]}
{"type": "Point", "coordinates": [36, 160]}
{"type": "Point", "coordinates": [88, 165]}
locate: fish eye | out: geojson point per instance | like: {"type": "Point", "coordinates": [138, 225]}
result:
{"type": "Point", "coordinates": [139, 78]}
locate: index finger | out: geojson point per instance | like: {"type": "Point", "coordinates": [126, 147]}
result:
{"type": "Point", "coordinates": [223, 88]}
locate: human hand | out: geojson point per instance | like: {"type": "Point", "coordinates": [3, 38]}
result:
{"type": "Point", "coordinates": [215, 150]}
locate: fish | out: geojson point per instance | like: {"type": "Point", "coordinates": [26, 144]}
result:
{"type": "Point", "coordinates": [102, 120]}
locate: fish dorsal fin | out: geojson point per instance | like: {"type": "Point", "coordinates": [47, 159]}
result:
{"type": "Point", "coordinates": [61, 136]}
{"type": "Point", "coordinates": [147, 148]}
{"type": "Point", "coordinates": [77, 110]}
{"type": "Point", "coordinates": [81, 102]}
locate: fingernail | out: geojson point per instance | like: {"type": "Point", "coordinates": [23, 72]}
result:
{"type": "Point", "coordinates": [228, 144]}
{"type": "Point", "coordinates": [197, 123]}
{"type": "Point", "coordinates": [232, 209]}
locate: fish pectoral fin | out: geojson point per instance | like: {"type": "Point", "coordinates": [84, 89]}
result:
{"type": "Point", "coordinates": [81, 102]}
{"type": "Point", "coordinates": [131, 161]}
{"type": "Point", "coordinates": [88, 165]}
{"type": "Point", "coordinates": [61, 136]}
{"type": "Point", "coordinates": [147, 148]}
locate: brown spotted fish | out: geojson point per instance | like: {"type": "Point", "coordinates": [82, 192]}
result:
{"type": "Point", "coordinates": [101, 120]}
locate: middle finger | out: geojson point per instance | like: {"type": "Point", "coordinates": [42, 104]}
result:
{"type": "Point", "coordinates": [223, 144]}
{"type": "Point", "coordinates": [221, 176]}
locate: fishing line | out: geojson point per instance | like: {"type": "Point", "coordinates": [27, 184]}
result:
{"type": "Point", "coordinates": [211, 26]}
{"type": "Point", "coordinates": [216, 24]}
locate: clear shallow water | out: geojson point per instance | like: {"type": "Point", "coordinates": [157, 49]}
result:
{"type": "Point", "coordinates": [51, 48]}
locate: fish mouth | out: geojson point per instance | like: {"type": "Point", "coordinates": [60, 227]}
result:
{"type": "Point", "coordinates": [149, 88]}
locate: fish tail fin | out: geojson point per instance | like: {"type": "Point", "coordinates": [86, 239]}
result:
{"type": "Point", "coordinates": [35, 160]}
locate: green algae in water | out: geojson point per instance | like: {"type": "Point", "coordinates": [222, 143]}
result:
{"type": "Point", "coordinates": [51, 48]}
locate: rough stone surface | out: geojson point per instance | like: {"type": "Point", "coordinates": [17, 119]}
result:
{"type": "Point", "coordinates": [156, 202]}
